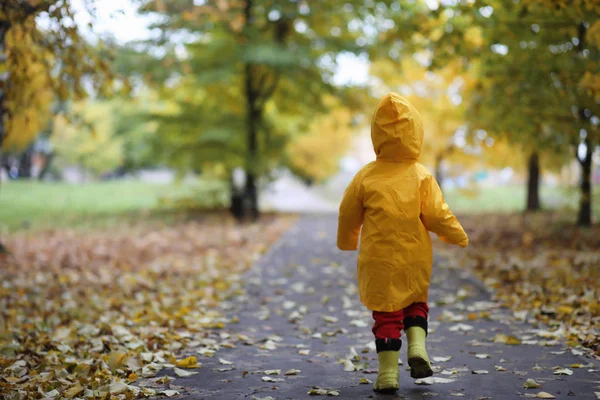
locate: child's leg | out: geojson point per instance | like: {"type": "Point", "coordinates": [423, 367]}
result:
{"type": "Point", "coordinates": [388, 325]}
{"type": "Point", "coordinates": [415, 327]}
{"type": "Point", "coordinates": [387, 329]}
{"type": "Point", "coordinates": [416, 315]}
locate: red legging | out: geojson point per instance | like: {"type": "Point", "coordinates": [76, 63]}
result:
{"type": "Point", "coordinates": [388, 325]}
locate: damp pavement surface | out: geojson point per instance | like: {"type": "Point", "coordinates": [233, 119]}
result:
{"type": "Point", "coordinates": [299, 313]}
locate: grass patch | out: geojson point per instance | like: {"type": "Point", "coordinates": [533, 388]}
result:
{"type": "Point", "coordinates": [47, 204]}
{"type": "Point", "coordinates": [512, 198]}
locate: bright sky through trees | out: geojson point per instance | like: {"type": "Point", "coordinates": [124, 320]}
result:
{"type": "Point", "coordinates": [120, 19]}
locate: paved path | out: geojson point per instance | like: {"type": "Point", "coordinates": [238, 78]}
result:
{"type": "Point", "coordinates": [289, 194]}
{"type": "Point", "coordinates": [306, 280]}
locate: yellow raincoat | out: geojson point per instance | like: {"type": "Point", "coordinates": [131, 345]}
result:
{"type": "Point", "coordinates": [396, 200]}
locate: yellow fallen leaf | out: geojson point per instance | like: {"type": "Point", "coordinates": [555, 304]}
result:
{"type": "Point", "coordinates": [164, 380]}
{"type": "Point", "coordinates": [472, 316]}
{"type": "Point", "coordinates": [189, 362]}
{"type": "Point", "coordinates": [73, 391]}
{"type": "Point", "coordinates": [531, 384]}
{"type": "Point", "coordinates": [565, 310]}
{"type": "Point", "coordinates": [116, 360]}
{"type": "Point", "coordinates": [577, 366]}
{"type": "Point", "coordinates": [513, 340]}
{"type": "Point", "coordinates": [545, 395]}
{"type": "Point", "coordinates": [132, 377]}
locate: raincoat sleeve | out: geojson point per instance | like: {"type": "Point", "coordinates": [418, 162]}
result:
{"type": "Point", "coordinates": [351, 216]}
{"type": "Point", "coordinates": [437, 217]}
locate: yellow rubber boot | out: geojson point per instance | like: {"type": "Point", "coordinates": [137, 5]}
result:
{"type": "Point", "coordinates": [388, 351]}
{"type": "Point", "coordinates": [418, 360]}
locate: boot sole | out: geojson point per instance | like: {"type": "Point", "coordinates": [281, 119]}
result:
{"type": "Point", "coordinates": [386, 390]}
{"type": "Point", "coordinates": [419, 368]}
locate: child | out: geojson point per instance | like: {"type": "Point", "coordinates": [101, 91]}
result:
{"type": "Point", "coordinates": [397, 201]}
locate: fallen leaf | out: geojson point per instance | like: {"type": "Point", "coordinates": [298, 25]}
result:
{"type": "Point", "coordinates": [225, 362]}
{"type": "Point", "coordinates": [183, 373]}
{"type": "Point", "coordinates": [269, 379]}
{"type": "Point", "coordinates": [270, 345]}
{"type": "Point", "coordinates": [188, 362]}
{"type": "Point", "coordinates": [292, 372]}
{"type": "Point", "coordinates": [433, 379]}
{"type": "Point", "coordinates": [73, 391]}
{"type": "Point", "coordinates": [273, 372]}
{"type": "Point", "coordinates": [169, 393]}
{"type": "Point", "coordinates": [510, 340]}
{"type": "Point", "coordinates": [330, 319]}
{"type": "Point", "coordinates": [564, 309]}
{"type": "Point", "coordinates": [455, 394]}
{"type": "Point", "coordinates": [479, 372]}
{"type": "Point", "coordinates": [563, 371]}
{"type": "Point", "coordinates": [304, 352]}
{"type": "Point", "coordinates": [545, 395]}
{"type": "Point", "coordinates": [453, 371]}
{"type": "Point", "coordinates": [365, 381]}
{"type": "Point", "coordinates": [132, 377]}
{"type": "Point", "coordinates": [118, 387]}
{"type": "Point", "coordinates": [460, 327]}
{"type": "Point", "coordinates": [349, 366]}
{"type": "Point", "coordinates": [482, 356]}
{"type": "Point", "coordinates": [531, 384]}
{"type": "Point", "coordinates": [441, 359]}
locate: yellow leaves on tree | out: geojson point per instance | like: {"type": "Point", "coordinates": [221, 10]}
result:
{"type": "Point", "coordinates": [591, 80]}
{"type": "Point", "coordinates": [503, 154]}
{"type": "Point", "coordinates": [316, 154]}
{"type": "Point", "coordinates": [437, 96]}
{"type": "Point", "coordinates": [31, 93]}
{"type": "Point", "coordinates": [88, 140]}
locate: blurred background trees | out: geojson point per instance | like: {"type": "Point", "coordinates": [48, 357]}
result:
{"type": "Point", "coordinates": [505, 87]}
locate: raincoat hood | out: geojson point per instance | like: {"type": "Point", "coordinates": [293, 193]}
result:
{"type": "Point", "coordinates": [397, 129]}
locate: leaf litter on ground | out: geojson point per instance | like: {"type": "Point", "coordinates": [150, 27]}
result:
{"type": "Point", "coordinates": [89, 311]}
{"type": "Point", "coordinates": [541, 266]}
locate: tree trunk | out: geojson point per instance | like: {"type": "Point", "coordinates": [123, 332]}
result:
{"type": "Point", "coordinates": [25, 163]}
{"type": "Point", "coordinates": [46, 167]}
{"type": "Point", "coordinates": [533, 183]}
{"type": "Point", "coordinates": [584, 217]}
{"type": "Point", "coordinates": [237, 204]}
{"type": "Point", "coordinates": [439, 176]}
{"type": "Point", "coordinates": [252, 120]}
{"type": "Point", "coordinates": [251, 192]}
